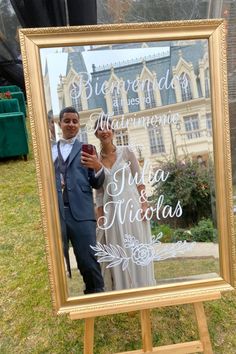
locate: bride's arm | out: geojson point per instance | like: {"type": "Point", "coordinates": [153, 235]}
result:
{"type": "Point", "coordinates": [99, 214]}
{"type": "Point", "coordinates": [143, 200]}
{"type": "Point", "coordinates": [99, 204]}
{"type": "Point", "coordinates": [135, 170]}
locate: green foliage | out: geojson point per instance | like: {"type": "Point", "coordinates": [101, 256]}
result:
{"type": "Point", "coordinates": [166, 230]}
{"type": "Point", "coordinates": [204, 231]}
{"type": "Point", "coordinates": [192, 185]}
{"type": "Point", "coordinates": [181, 235]}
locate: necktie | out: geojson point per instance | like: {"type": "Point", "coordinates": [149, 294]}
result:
{"type": "Point", "coordinates": [67, 141]}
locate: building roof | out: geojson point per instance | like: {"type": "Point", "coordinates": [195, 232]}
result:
{"type": "Point", "coordinates": [158, 64]}
{"type": "Point", "coordinates": [76, 60]}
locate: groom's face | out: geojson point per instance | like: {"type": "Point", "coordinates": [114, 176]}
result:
{"type": "Point", "coordinates": [70, 125]}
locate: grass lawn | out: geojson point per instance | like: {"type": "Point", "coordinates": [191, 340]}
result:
{"type": "Point", "coordinates": [27, 322]}
{"type": "Point", "coordinates": [168, 269]}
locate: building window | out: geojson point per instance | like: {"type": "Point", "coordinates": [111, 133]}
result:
{"type": "Point", "coordinates": [122, 137]}
{"type": "Point", "coordinates": [185, 86]}
{"type": "Point", "coordinates": [207, 83]}
{"type": "Point", "coordinates": [209, 124]}
{"type": "Point", "coordinates": [156, 140]}
{"type": "Point", "coordinates": [117, 102]}
{"type": "Point", "coordinates": [75, 94]}
{"type": "Point", "coordinates": [149, 95]}
{"type": "Point", "coordinates": [191, 124]}
{"type": "Point", "coordinates": [83, 136]}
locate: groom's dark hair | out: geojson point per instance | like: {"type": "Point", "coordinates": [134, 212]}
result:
{"type": "Point", "coordinates": [68, 110]}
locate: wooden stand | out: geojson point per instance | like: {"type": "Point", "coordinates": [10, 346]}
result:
{"type": "Point", "coordinates": [202, 345]}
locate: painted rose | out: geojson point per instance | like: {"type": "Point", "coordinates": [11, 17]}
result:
{"type": "Point", "coordinates": [143, 254]}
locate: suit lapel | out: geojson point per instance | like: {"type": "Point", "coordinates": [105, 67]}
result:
{"type": "Point", "coordinates": [75, 151]}
{"type": "Point", "coordinates": [56, 163]}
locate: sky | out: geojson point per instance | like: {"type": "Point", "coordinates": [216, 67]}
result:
{"type": "Point", "coordinates": [57, 62]}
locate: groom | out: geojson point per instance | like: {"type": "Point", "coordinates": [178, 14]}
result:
{"type": "Point", "coordinates": [77, 173]}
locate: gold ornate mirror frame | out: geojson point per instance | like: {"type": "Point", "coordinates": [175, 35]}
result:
{"type": "Point", "coordinates": [32, 40]}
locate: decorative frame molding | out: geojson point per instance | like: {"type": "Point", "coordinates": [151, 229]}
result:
{"type": "Point", "coordinates": [32, 40]}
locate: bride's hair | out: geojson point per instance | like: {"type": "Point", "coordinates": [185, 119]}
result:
{"type": "Point", "coordinates": [103, 123]}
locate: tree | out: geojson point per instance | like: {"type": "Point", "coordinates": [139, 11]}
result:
{"type": "Point", "coordinates": [113, 11]}
{"type": "Point", "coordinates": [8, 25]}
{"type": "Point", "coordinates": [192, 185]}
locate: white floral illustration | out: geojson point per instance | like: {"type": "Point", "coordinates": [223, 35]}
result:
{"type": "Point", "coordinates": [139, 253]}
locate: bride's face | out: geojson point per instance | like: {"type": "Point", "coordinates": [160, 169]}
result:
{"type": "Point", "coordinates": [105, 134]}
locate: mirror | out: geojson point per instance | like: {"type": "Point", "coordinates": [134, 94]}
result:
{"type": "Point", "coordinates": [151, 107]}
{"type": "Point", "coordinates": [157, 99]}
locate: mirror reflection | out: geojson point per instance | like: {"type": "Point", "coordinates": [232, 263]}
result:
{"type": "Point", "coordinates": [132, 145]}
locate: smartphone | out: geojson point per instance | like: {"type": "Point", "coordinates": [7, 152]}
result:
{"type": "Point", "coordinates": [89, 148]}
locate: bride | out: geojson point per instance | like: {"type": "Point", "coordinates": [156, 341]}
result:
{"type": "Point", "coordinates": [122, 212]}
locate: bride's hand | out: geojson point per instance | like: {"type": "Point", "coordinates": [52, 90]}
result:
{"type": "Point", "coordinates": [145, 210]}
{"type": "Point", "coordinates": [100, 216]}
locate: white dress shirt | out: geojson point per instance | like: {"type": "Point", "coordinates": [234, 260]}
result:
{"type": "Point", "coordinates": [65, 148]}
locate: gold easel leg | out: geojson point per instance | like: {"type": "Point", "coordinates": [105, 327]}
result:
{"type": "Point", "coordinates": [203, 328]}
{"type": "Point", "coordinates": [88, 336]}
{"type": "Point", "coordinates": [146, 330]}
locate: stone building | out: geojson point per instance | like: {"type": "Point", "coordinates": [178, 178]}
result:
{"type": "Point", "coordinates": [160, 104]}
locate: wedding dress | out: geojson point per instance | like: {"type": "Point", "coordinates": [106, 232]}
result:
{"type": "Point", "coordinates": [128, 249]}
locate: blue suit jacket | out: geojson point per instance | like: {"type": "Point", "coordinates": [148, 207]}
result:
{"type": "Point", "coordinates": [79, 180]}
